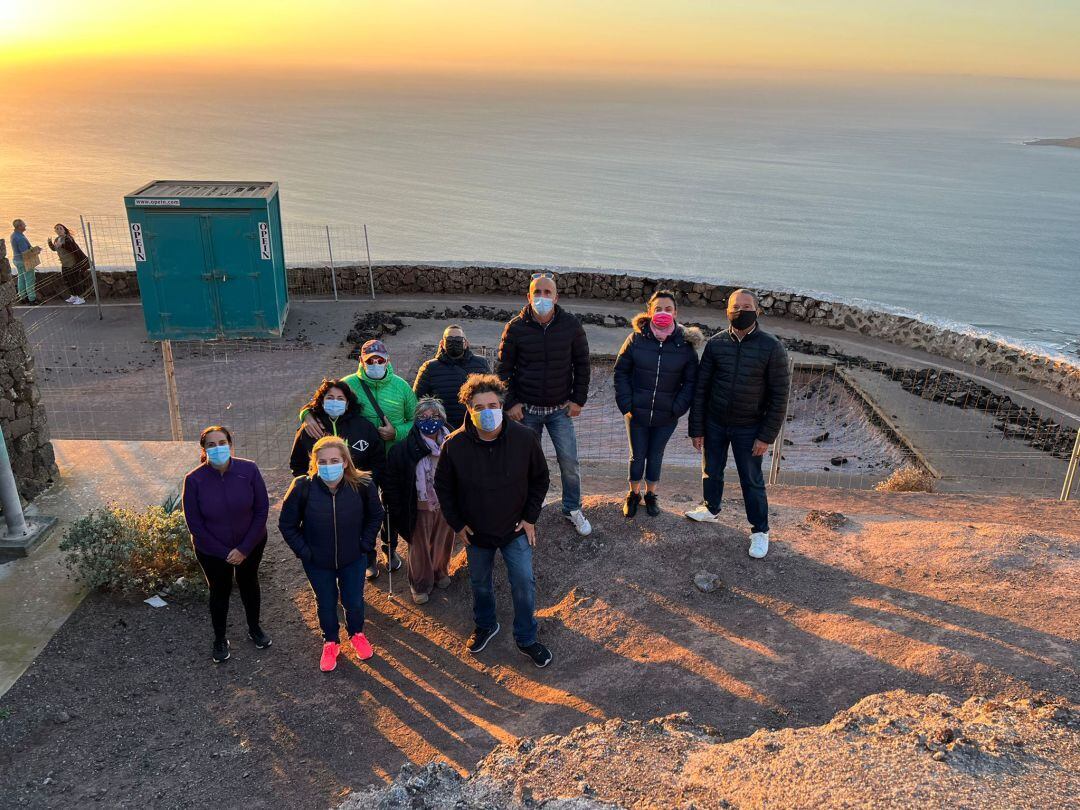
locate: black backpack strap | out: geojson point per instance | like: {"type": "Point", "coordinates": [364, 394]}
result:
{"type": "Point", "coordinates": [374, 402]}
{"type": "Point", "coordinates": [303, 484]}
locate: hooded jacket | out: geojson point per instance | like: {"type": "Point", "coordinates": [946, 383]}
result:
{"type": "Point", "coordinates": [654, 381]}
{"type": "Point", "coordinates": [491, 486]}
{"type": "Point", "coordinates": [544, 365]}
{"type": "Point", "coordinates": [365, 444]}
{"type": "Point", "coordinates": [330, 529]}
{"type": "Point", "coordinates": [394, 395]}
{"type": "Point", "coordinates": [742, 383]}
{"type": "Point", "coordinates": [443, 376]}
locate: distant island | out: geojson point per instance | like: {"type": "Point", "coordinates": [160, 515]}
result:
{"type": "Point", "coordinates": [1073, 142]}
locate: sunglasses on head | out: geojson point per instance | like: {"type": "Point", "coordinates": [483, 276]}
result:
{"type": "Point", "coordinates": [535, 276]}
{"type": "Point", "coordinates": [374, 360]}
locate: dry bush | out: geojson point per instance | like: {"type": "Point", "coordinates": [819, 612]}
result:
{"type": "Point", "coordinates": [907, 479]}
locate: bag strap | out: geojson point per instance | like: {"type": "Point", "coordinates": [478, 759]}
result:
{"type": "Point", "coordinates": [304, 486]}
{"type": "Point", "coordinates": [374, 402]}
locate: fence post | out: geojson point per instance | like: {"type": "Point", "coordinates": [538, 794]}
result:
{"type": "Point", "coordinates": [1070, 471]}
{"type": "Point", "coordinates": [370, 274]}
{"type": "Point", "coordinates": [333, 270]}
{"type": "Point", "coordinates": [170, 392]}
{"type": "Point", "coordinates": [88, 238]}
{"type": "Point", "coordinates": [778, 445]}
{"type": "Point", "coordinates": [9, 496]}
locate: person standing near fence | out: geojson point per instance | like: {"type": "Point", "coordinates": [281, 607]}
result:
{"type": "Point", "coordinates": [544, 361]}
{"type": "Point", "coordinates": [226, 506]}
{"type": "Point", "coordinates": [409, 491]}
{"type": "Point", "coordinates": [388, 402]}
{"type": "Point", "coordinates": [330, 518]}
{"type": "Point", "coordinates": [655, 374]}
{"type": "Point", "coordinates": [26, 258]}
{"type": "Point", "coordinates": [491, 480]}
{"type": "Point", "coordinates": [443, 375]}
{"type": "Point", "coordinates": [74, 264]}
{"type": "Point", "coordinates": [335, 407]}
{"type": "Point", "coordinates": [739, 402]}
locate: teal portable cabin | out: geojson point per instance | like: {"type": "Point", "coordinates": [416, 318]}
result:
{"type": "Point", "coordinates": [209, 259]}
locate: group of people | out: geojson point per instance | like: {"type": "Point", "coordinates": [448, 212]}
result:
{"type": "Point", "coordinates": [456, 457]}
{"type": "Point", "coordinates": [26, 257]}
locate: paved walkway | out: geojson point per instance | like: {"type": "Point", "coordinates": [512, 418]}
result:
{"type": "Point", "coordinates": [36, 594]}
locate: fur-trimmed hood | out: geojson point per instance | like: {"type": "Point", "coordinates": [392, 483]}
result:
{"type": "Point", "coordinates": [694, 336]}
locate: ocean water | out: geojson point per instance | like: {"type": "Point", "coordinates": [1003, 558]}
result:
{"type": "Point", "coordinates": [913, 195]}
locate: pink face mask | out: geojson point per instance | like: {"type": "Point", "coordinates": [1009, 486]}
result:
{"type": "Point", "coordinates": [663, 320]}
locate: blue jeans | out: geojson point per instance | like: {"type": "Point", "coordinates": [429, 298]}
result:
{"type": "Point", "coordinates": [518, 556]}
{"type": "Point", "coordinates": [26, 282]}
{"type": "Point", "coordinates": [560, 428]}
{"type": "Point", "coordinates": [647, 445]}
{"type": "Point", "coordinates": [741, 440]}
{"type": "Point", "coordinates": [325, 583]}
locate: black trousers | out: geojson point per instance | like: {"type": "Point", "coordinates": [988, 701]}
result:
{"type": "Point", "coordinates": [219, 576]}
{"type": "Point", "coordinates": [77, 278]}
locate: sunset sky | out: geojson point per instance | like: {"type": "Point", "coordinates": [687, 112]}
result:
{"type": "Point", "coordinates": [1035, 39]}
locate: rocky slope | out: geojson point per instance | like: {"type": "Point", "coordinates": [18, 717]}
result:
{"type": "Point", "coordinates": [894, 749]}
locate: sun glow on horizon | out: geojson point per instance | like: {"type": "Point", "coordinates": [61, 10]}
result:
{"type": "Point", "coordinates": [589, 37]}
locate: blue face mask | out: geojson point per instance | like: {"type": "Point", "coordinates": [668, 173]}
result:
{"type": "Point", "coordinates": [334, 407]}
{"type": "Point", "coordinates": [219, 456]}
{"type": "Point", "coordinates": [331, 473]}
{"type": "Point", "coordinates": [488, 419]}
{"type": "Point", "coordinates": [543, 306]}
{"type": "Point", "coordinates": [430, 426]}
{"type": "Point", "coordinates": [375, 371]}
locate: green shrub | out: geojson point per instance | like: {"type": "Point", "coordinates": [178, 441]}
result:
{"type": "Point", "coordinates": [130, 552]}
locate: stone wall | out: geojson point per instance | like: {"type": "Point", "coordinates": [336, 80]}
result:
{"type": "Point", "coordinates": [994, 357]}
{"type": "Point", "coordinates": [22, 416]}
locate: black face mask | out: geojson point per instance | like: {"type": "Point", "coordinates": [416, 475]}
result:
{"type": "Point", "coordinates": [743, 319]}
{"type": "Point", "coordinates": [455, 347]}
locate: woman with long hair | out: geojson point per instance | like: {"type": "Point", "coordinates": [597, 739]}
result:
{"type": "Point", "coordinates": [330, 518]}
{"type": "Point", "coordinates": [409, 488]}
{"type": "Point", "coordinates": [74, 264]}
{"type": "Point", "coordinates": [225, 506]}
{"type": "Point", "coordinates": [335, 407]}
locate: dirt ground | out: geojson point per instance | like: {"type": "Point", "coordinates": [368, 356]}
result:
{"type": "Point", "coordinates": [958, 595]}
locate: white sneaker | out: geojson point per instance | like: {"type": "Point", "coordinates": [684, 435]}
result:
{"type": "Point", "coordinates": [70, 299]}
{"type": "Point", "coordinates": [79, 300]}
{"type": "Point", "coordinates": [581, 523]}
{"type": "Point", "coordinates": [759, 545]}
{"type": "Point", "coordinates": [703, 515]}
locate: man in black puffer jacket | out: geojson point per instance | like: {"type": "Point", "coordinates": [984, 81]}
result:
{"type": "Point", "coordinates": [443, 375]}
{"type": "Point", "coordinates": [740, 401]}
{"type": "Point", "coordinates": [544, 361]}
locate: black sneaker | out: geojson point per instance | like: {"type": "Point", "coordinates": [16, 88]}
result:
{"type": "Point", "coordinates": [480, 638]}
{"type": "Point", "coordinates": [540, 655]}
{"type": "Point", "coordinates": [629, 509]}
{"type": "Point", "coordinates": [395, 562]}
{"type": "Point", "coordinates": [261, 639]}
{"type": "Point", "coordinates": [651, 506]}
{"type": "Point", "coordinates": [221, 651]}
{"type": "Point", "coordinates": [372, 572]}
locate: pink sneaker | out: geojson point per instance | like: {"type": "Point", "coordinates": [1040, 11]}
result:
{"type": "Point", "coordinates": [362, 646]}
{"type": "Point", "coordinates": [329, 656]}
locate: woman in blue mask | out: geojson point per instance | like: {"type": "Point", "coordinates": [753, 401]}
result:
{"type": "Point", "coordinates": [225, 506]}
{"type": "Point", "coordinates": [335, 407]}
{"type": "Point", "coordinates": [409, 489]}
{"type": "Point", "coordinates": [330, 518]}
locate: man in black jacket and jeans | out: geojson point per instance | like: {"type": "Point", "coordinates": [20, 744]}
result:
{"type": "Point", "coordinates": [544, 361]}
{"type": "Point", "coordinates": [491, 480]}
{"type": "Point", "coordinates": [740, 401]}
{"type": "Point", "coordinates": [443, 375]}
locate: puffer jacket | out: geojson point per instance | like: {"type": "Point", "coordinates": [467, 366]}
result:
{"type": "Point", "coordinates": [394, 395]}
{"type": "Point", "coordinates": [544, 365]}
{"type": "Point", "coordinates": [442, 378]}
{"type": "Point", "coordinates": [654, 381]}
{"type": "Point", "coordinates": [330, 529]}
{"type": "Point", "coordinates": [742, 383]}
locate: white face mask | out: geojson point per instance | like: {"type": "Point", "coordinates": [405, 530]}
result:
{"type": "Point", "coordinates": [376, 372]}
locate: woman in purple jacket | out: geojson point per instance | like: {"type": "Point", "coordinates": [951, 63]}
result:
{"type": "Point", "coordinates": [225, 504]}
